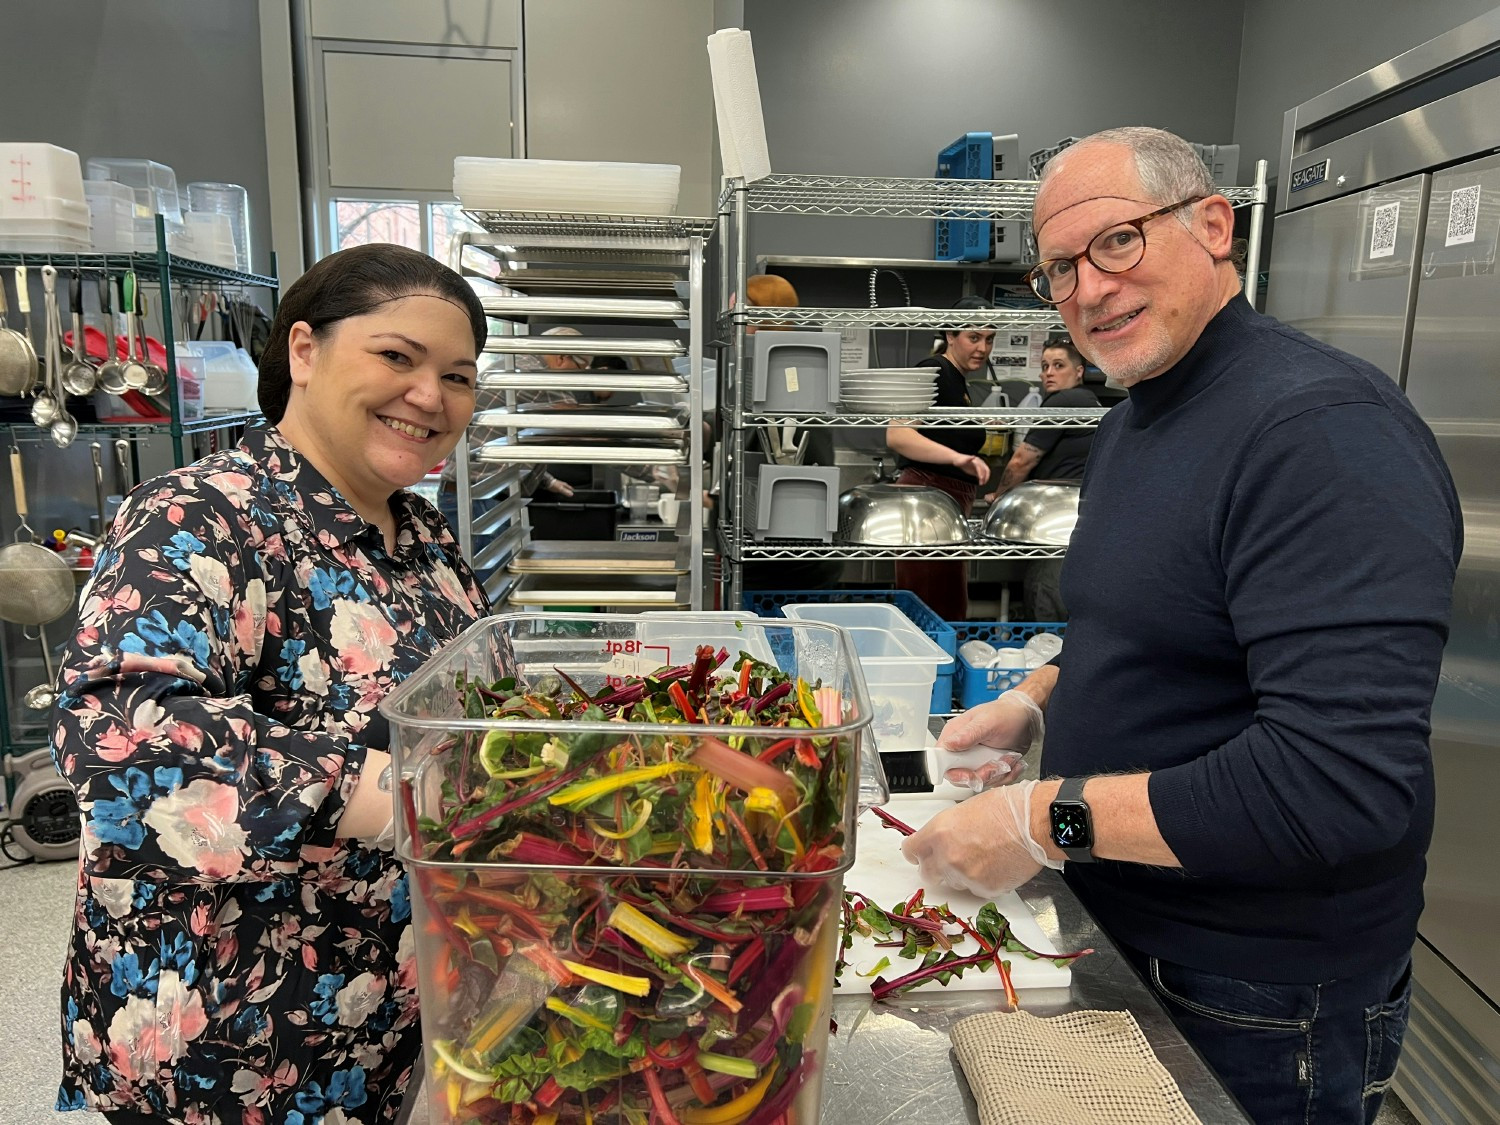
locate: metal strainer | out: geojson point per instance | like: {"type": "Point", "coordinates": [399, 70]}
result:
{"type": "Point", "coordinates": [36, 586]}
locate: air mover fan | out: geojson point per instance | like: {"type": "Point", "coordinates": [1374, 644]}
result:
{"type": "Point", "coordinates": [44, 811]}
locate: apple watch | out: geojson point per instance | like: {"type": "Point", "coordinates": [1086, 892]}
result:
{"type": "Point", "coordinates": [1072, 823]}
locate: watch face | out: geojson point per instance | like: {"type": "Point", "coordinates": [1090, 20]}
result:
{"type": "Point", "coordinates": [1070, 825]}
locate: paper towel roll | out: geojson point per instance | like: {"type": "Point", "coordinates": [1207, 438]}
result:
{"type": "Point", "coordinates": [742, 125]}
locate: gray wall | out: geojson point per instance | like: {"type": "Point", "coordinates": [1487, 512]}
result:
{"type": "Point", "coordinates": [876, 87]}
{"type": "Point", "coordinates": [173, 80]}
{"type": "Point", "coordinates": [624, 81]}
{"type": "Point", "coordinates": [1296, 49]}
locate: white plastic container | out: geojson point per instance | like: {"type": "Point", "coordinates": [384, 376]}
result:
{"type": "Point", "coordinates": [154, 184]}
{"type": "Point", "coordinates": [190, 384]}
{"type": "Point", "coordinates": [40, 181]}
{"type": "Point", "coordinates": [112, 214]}
{"type": "Point", "coordinates": [229, 375]}
{"type": "Point", "coordinates": [213, 238]}
{"type": "Point", "coordinates": [233, 203]}
{"type": "Point", "coordinates": [900, 664]}
{"type": "Point", "coordinates": [44, 236]}
{"type": "Point", "coordinates": [586, 186]}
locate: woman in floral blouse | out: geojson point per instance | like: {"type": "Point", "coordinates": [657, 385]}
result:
{"type": "Point", "coordinates": [242, 950]}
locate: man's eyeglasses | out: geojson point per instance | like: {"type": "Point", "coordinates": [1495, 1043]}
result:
{"type": "Point", "coordinates": [1115, 250]}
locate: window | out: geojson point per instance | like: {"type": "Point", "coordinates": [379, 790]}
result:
{"type": "Point", "coordinates": [444, 221]}
{"type": "Point", "coordinates": [360, 221]}
{"type": "Point", "coordinates": [422, 226]}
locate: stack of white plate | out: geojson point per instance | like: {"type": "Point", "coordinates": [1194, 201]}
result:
{"type": "Point", "coordinates": [572, 186]}
{"type": "Point", "coordinates": [888, 390]}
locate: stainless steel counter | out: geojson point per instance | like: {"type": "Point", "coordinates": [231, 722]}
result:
{"type": "Point", "coordinates": [893, 1061]}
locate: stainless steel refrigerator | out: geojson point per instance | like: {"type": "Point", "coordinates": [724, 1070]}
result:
{"type": "Point", "coordinates": [1385, 244]}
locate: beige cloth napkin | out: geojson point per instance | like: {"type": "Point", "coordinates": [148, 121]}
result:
{"type": "Point", "coordinates": [1093, 1067]}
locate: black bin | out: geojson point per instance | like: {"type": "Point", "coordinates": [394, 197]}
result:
{"type": "Point", "coordinates": [588, 514]}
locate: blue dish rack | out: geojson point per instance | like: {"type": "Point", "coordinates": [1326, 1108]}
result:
{"type": "Point", "coordinates": [768, 603]}
{"type": "Point", "coordinates": [980, 685]}
{"type": "Point", "coordinates": [971, 157]}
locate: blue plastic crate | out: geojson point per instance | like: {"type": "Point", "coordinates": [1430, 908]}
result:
{"type": "Point", "coordinates": [971, 157]}
{"type": "Point", "coordinates": [768, 603]}
{"type": "Point", "coordinates": [980, 685]}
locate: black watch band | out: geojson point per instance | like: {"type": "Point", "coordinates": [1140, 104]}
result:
{"type": "Point", "coordinates": [1072, 823]}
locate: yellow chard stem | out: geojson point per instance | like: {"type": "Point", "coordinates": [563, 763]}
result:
{"type": "Point", "coordinates": [649, 933]}
{"type": "Point", "coordinates": [587, 792]}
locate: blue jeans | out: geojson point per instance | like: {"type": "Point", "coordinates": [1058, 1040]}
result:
{"type": "Point", "coordinates": [1310, 1053]}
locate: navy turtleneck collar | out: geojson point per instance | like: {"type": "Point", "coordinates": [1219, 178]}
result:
{"type": "Point", "coordinates": [1213, 351]}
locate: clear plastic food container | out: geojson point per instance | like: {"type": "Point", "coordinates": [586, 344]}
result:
{"type": "Point", "coordinates": [626, 920]}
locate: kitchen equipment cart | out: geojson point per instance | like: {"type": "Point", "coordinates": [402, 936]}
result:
{"type": "Point", "coordinates": [851, 196]}
{"type": "Point", "coordinates": [632, 285]}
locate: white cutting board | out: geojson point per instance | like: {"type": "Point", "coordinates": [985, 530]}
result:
{"type": "Point", "coordinates": [883, 874]}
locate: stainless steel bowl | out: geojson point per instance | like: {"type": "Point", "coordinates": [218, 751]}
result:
{"type": "Point", "coordinates": [900, 515]}
{"type": "Point", "coordinates": [1035, 511]}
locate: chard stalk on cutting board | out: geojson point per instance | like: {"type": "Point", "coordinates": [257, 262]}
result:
{"type": "Point", "coordinates": [919, 928]}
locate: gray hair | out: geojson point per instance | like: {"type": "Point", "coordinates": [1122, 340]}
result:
{"type": "Point", "coordinates": [1169, 168]}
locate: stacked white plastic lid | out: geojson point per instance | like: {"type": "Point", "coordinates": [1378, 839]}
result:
{"type": "Point", "coordinates": [591, 187]}
{"type": "Point", "coordinates": [888, 390]}
{"type": "Point", "coordinates": [42, 205]}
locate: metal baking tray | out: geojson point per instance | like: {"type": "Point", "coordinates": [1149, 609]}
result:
{"type": "Point", "coordinates": [499, 550]}
{"type": "Point", "coordinates": [556, 417]}
{"type": "Point", "coordinates": [582, 381]}
{"type": "Point", "coordinates": [582, 345]}
{"type": "Point", "coordinates": [600, 556]}
{"type": "Point", "coordinates": [640, 308]}
{"type": "Point", "coordinates": [601, 590]}
{"type": "Point", "coordinates": [581, 449]}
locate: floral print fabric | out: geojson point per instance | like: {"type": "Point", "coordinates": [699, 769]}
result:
{"type": "Point", "coordinates": [233, 961]}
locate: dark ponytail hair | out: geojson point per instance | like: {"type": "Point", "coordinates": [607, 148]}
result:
{"type": "Point", "coordinates": [354, 282]}
{"type": "Point", "coordinates": [945, 335]}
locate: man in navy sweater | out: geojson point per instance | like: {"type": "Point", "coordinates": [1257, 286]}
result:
{"type": "Point", "coordinates": [1260, 583]}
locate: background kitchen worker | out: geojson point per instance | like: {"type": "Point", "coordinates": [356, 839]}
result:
{"type": "Point", "coordinates": [1051, 453]}
{"type": "Point", "coordinates": [242, 947]}
{"type": "Point", "coordinates": [1260, 584]}
{"type": "Point", "coordinates": [946, 457]}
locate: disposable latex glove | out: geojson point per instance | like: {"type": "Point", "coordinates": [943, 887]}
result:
{"type": "Point", "coordinates": [985, 743]}
{"type": "Point", "coordinates": [983, 845]}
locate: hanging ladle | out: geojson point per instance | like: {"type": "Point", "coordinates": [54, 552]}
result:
{"type": "Point", "coordinates": [111, 371]}
{"type": "Point", "coordinates": [78, 376]}
{"type": "Point", "coordinates": [64, 427]}
{"type": "Point", "coordinates": [45, 408]}
{"type": "Point", "coordinates": [135, 373]}
{"type": "Point", "coordinates": [156, 375]}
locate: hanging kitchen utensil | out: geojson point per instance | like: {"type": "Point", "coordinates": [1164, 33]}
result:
{"type": "Point", "coordinates": [41, 697]}
{"type": "Point", "coordinates": [46, 406]}
{"type": "Point", "coordinates": [23, 302]}
{"type": "Point", "coordinates": [18, 361]}
{"type": "Point", "coordinates": [64, 427]}
{"type": "Point", "coordinates": [111, 371]}
{"type": "Point", "coordinates": [122, 462]}
{"type": "Point", "coordinates": [78, 376]}
{"type": "Point", "coordinates": [156, 375]}
{"type": "Point", "coordinates": [44, 694]}
{"type": "Point", "coordinates": [135, 371]}
{"type": "Point", "coordinates": [96, 453]}
{"type": "Point", "coordinates": [36, 585]}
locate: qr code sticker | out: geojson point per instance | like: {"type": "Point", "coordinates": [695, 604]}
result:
{"type": "Point", "coordinates": [1383, 230]}
{"type": "Point", "coordinates": [1463, 215]}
